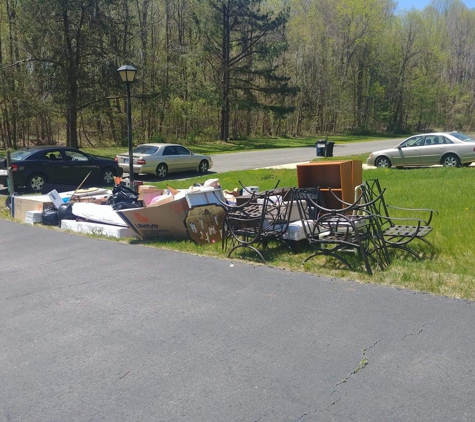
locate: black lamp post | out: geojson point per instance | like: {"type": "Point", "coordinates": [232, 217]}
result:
{"type": "Point", "coordinates": [127, 73]}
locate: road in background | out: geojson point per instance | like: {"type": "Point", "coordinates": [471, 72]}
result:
{"type": "Point", "coordinates": [277, 157]}
{"type": "Point", "coordinates": [268, 158]}
{"type": "Point", "coordinates": [95, 330]}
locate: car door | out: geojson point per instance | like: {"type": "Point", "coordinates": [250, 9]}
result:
{"type": "Point", "coordinates": [432, 149]}
{"type": "Point", "coordinates": [52, 166]}
{"type": "Point", "coordinates": [78, 166]}
{"type": "Point", "coordinates": [171, 158]}
{"type": "Point", "coordinates": [186, 158]}
{"type": "Point", "coordinates": [408, 153]}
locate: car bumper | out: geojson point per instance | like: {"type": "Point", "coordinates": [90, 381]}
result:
{"type": "Point", "coordinates": [136, 168]}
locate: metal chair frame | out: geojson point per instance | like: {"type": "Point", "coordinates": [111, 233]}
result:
{"type": "Point", "coordinates": [335, 232]}
{"type": "Point", "coordinates": [263, 218]}
{"type": "Point", "coordinates": [398, 232]}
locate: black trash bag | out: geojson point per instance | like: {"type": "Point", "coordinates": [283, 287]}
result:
{"type": "Point", "coordinates": [65, 212]}
{"type": "Point", "coordinates": [122, 193]}
{"type": "Point", "coordinates": [126, 205]}
{"type": "Point", "coordinates": [49, 217]}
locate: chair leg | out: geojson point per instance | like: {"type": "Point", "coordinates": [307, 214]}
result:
{"type": "Point", "coordinates": [247, 246]}
{"type": "Point", "coordinates": [333, 255]}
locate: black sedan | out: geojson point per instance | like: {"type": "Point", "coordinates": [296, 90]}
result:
{"type": "Point", "coordinates": [33, 167]}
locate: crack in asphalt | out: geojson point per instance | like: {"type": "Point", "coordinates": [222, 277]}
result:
{"type": "Point", "coordinates": [414, 334]}
{"type": "Point", "coordinates": [263, 416]}
{"type": "Point", "coordinates": [420, 330]}
{"type": "Point", "coordinates": [364, 362]}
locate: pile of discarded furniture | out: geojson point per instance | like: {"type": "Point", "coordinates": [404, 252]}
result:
{"type": "Point", "coordinates": [150, 212]}
{"type": "Point", "coordinates": [362, 231]}
{"type": "Point", "coordinates": [331, 213]}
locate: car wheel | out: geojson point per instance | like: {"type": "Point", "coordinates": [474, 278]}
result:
{"type": "Point", "coordinates": [383, 162]}
{"type": "Point", "coordinates": [451, 160]}
{"type": "Point", "coordinates": [107, 177]}
{"type": "Point", "coordinates": [203, 167]}
{"type": "Point", "coordinates": [161, 171]}
{"type": "Point", "coordinates": [35, 182]}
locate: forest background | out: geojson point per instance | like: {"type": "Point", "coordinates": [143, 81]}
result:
{"type": "Point", "coordinates": [221, 69]}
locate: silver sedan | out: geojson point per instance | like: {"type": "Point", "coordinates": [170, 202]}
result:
{"type": "Point", "coordinates": [450, 149]}
{"type": "Point", "coordinates": [161, 159]}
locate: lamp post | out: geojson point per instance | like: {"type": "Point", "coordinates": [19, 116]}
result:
{"type": "Point", "coordinates": [127, 73]}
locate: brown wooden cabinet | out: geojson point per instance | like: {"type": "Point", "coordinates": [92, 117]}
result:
{"type": "Point", "coordinates": [340, 176]}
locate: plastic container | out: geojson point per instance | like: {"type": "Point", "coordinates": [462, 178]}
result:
{"type": "Point", "coordinates": [249, 190]}
{"type": "Point", "coordinates": [320, 147]}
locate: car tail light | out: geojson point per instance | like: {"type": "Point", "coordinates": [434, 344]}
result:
{"type": "Point", "coordinates": [141, 161]}
{"type": "Point", "coordinates": [14, 167]}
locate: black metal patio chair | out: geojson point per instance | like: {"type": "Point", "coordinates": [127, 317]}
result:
{"type": "Point", "coordinates": [264, 217]}
{"type": "Point", "coordinates": [398, 232]}
{"type": "Point", "coordinates": [337, 232]}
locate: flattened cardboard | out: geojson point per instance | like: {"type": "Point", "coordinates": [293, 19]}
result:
{"type": "Point", "coordinates": [165, 220]}
{"type": "Point", "coordinates": [23, 203]}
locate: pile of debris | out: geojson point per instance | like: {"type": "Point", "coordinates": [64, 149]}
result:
{"type": "Point", "coordinates": [195, 213]}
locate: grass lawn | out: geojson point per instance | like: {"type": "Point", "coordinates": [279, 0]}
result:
{"type": "Point", "coordinates": [446, 270]}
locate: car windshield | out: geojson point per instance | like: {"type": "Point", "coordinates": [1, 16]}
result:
{"type": "Point", "coordinates": [20, 154]}
{"type": "Point", "coordinates": [461, 136]}
{"type": "Point", "coordinates": [146, 149]}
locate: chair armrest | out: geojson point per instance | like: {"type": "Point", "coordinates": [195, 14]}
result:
{"type": "Point", "coordinates": [421, 210]}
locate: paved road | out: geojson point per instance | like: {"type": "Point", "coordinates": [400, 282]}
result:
{"type": "Point", "coordinates": [276, 157]}
{"type": "Point", "coordinates": [94, 330]}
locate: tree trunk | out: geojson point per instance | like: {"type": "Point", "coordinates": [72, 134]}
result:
{"type": "Point", "coordinates": [224, 132]}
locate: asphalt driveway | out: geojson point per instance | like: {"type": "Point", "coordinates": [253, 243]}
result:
{"type": "Point", "coordinates": [95, 330]}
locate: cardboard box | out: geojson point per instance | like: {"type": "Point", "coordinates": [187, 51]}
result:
{"type": "Point", "coordinates": [166, 220]}
{"type": "Point", "coordinates": [205, 196]}
{"type": "Point", "coordinates": [23, 203]}
{"type": "Point", "coordinates": [142, 189]}
{"type": "Point", "coordinates": [164, 199]}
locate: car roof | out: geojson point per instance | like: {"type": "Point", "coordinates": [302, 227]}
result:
{"type": "Point", "coordinates": [159, 145]}
{"type": "Point", "coordinates": [436, 133]}
{"type": "Point", "coordinates": [45, 147]}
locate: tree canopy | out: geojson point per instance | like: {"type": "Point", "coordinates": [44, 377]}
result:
{"type": "Point", "coordinates": [220, 69]}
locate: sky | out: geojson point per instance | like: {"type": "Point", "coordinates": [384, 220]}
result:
{"type": "Point", "coordinates": [420, 4]}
